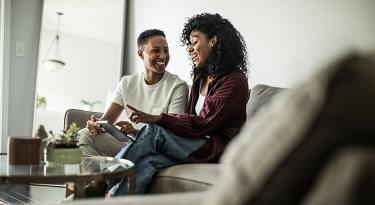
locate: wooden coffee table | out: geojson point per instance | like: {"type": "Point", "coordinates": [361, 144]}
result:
{"type": "Point", "coordinates": [90, 169]}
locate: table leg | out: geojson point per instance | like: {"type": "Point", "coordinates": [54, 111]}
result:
{"type": "Point", "coordinates": [79, 190]}
{"type": "Point", "coordinates": [132, 183]}
{"type": "Point", "coordinates": [69, 189]}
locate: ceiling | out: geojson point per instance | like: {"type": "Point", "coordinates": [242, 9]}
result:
{"type": "Point", "coordinates": [96, 19]}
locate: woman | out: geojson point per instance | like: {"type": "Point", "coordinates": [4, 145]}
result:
{"type": "Point", "coordinates": [216, 110]}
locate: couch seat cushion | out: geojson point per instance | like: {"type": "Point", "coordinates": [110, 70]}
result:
{"type": "Point", "coordinates": [185, 177]}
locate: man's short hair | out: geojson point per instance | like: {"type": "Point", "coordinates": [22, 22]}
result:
{"type": "Point", "coordinates": [145, 35]}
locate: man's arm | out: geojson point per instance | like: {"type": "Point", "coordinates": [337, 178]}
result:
{"type": "Point", "coordinates": [112, 113]}
{"type": "Point", "coordinates": [179, 99]}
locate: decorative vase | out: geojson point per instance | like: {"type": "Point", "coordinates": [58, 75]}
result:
{"type": "Point", "coordinates": [63, 155]}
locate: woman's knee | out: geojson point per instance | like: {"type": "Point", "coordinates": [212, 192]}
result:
{"type": "Point", "coordinates": [148, 130]}
{"type": "Point", "coordinates": [152, 127]}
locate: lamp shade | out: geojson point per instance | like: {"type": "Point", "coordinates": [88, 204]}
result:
{"type": "Point", "coordinates": [53, 64]}
{"type": "Point", "coordinates": [54, 61]}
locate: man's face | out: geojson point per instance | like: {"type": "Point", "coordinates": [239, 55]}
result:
{"type": "Point", "coordinates": [155, 54]}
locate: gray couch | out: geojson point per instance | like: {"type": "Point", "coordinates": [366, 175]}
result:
{"type": "Point", "coordinates": [332, 162]}
{"type": "Point", "coordinates": [187, 177]}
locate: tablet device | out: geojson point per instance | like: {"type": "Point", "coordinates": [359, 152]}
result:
{"type": "Point", "coordinates": [114, 131]}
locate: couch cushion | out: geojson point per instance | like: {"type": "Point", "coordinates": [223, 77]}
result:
{"type": "Point", "coordinates": [350, 173]}
{"type": "Point", "coordinates": [259, 96]}
{"type": "Point", "coordinates": [160, 199]}
{"type": "Point", "coordinates": [185, 178]}
{"type": "Point", "coordinates": [264, 153]}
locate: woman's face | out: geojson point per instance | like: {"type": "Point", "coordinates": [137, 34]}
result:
{"type": "Point", "coordinates": [155, 54]}
{"type": "Point", "coordinates": [200, 48]}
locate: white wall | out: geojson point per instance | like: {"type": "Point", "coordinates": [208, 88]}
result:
{"type": "Point", "coordinates": [92, 69]}
{"type": "Point", "coordinates": [286, 40]}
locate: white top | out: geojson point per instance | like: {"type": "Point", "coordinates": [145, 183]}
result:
{"type": "Point", "coordinates": [199, 106]}
{"type": "Point", "coordinates": [200, 102]}
{"type": "Point", "coordinates": [169, 95]}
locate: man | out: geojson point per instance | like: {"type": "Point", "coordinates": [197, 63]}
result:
{"type": "Point", "coordinates": [155, 90]}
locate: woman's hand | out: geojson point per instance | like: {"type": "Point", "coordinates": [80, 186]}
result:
{"type": "Point", "coordinates": [127, 128]}
{"type": "Point", "coordinates": [139, 116]}
{"type": "Point", "coordinates": [92, 126]}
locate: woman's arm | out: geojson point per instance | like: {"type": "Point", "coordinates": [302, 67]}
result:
{"type": "Point", "coordinates": [138, 116]}
{"type": "Point", "coordinates": [221, 108]}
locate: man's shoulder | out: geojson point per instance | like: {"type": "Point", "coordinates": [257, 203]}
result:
{"type": "Point", "coordinates": [131, 79]}
{"type": "Point", "coordinates": [174, 79]}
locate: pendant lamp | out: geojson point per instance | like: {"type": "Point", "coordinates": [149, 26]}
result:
{"type": "Point", "coordinates": [53, 60]}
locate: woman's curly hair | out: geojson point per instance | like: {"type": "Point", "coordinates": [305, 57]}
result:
{"type": "Point", "coordinates": [229, 52]}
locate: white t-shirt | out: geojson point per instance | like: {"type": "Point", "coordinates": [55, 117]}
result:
{"type": "Point", "coordinates": [169, 95]}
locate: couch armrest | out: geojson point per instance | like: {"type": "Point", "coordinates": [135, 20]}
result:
{"type": "Point", "coordinates": [348, 178]}
{"type": "Point", "coordinates": [78, 116]}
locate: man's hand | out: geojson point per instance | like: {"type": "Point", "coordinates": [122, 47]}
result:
{"type": "Point", "coordinates": [127, 128]}
{"type": "Point", "coordinates": [92, 126]}
{"type": "Point", "coordinates": [139, 116]}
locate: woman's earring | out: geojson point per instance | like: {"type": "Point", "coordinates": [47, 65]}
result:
{"type": "Point", "coordinates": [213, 41]}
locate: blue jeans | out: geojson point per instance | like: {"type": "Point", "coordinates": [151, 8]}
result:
{"type": "Point", "coordinates": [155, 148]}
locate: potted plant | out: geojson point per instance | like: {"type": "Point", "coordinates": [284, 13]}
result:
{"type": "Point", "coordinates": [41, 102]}
{"type": "Point", "coordinates": [63, 148]}
{"type": "Point", "coordinates": [88, 104]}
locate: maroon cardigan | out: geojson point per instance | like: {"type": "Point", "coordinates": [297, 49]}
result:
{"type": "Point", "coordinates": [222, 115]}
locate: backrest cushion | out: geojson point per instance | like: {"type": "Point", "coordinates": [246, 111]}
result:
{"type": "Point", "coordinates": [259, 96]}
{"type": "Point", "coordinates": [277, 154]}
